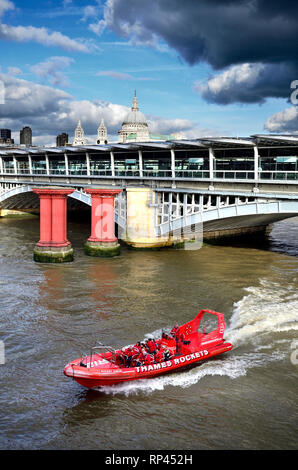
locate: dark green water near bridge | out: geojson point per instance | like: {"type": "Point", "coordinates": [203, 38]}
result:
{"type": "Point", "coordinates": [51, 314]}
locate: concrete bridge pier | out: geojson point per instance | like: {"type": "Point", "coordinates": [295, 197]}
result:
{"type": "Point", "coordinates": [53, 246]}
{"type": "Point", "coordinates": [141, 220]}
{"type": "Point", "coordinates": [102, 241]}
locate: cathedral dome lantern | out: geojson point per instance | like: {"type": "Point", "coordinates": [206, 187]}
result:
{"type": "Point", "coordinates": [134, 127]}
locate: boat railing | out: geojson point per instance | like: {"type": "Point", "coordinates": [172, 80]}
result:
{"type": "Point", "coordinates": [99, 345]}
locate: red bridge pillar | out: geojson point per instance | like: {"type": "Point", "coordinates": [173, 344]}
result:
{"type": "Point", "coordinates": [102, 241]}
{"type": "Point", "coordinates": [53, 246]}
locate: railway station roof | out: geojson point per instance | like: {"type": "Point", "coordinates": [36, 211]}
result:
{"type": "Point", "coordinates": [228, 142]}
{"type": "Point", "coordinates": [275, 140]}
{"type": "Point", "coordinates": [225, 143]}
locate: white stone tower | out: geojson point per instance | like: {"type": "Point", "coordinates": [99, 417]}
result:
{"type": "Point", "coordinates": [102, 133]}
{"type": "Point", "coordinates": [79, 138]}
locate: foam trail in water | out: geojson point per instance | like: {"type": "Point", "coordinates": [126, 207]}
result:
{"type": "Point", "coordinates": [232, 367]}
{"type": "Point", "coordinates": [268, 308]}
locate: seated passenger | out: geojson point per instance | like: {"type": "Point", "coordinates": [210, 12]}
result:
{"type": "Point", "coordinates": [128, 353]}
{"type": "Point", "coordinates": [148, 359]}
{"type": "Point", "coordinates": [167, 355]}
{"type": "Point", "coordinates": [159, 356]}
{"type": "Point", "coordinates": [139, 359]}
{"type": "Point", "coordinates": [137, 347]}
{"type": "Point", "coordinates": [128, 350]}
{"type": "Point", "coordinates": [151, 345]}
{"type": "Point", "coordinates": [174, 330]}
{"type": "Point", "coordinates": [121, 358]}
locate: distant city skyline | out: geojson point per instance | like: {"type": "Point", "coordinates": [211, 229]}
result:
{"type": "Point", "coordinates": [200, 69]}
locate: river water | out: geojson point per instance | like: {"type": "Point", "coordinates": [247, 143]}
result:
{"type": "Point", "coordinates": [51, 314]}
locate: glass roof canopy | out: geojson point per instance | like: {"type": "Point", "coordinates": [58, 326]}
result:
{"type": "Point", "coordinates": [266, 140]}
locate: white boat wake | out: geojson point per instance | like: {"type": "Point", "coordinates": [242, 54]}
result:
{"type": "Point", "coordinates": [258, 317]}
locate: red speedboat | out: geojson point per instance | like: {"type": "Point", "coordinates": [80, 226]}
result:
{"type": "Point", "coordinates": [184, 346]}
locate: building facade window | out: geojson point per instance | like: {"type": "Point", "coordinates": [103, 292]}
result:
{"type": "Point", "coordinates": [126, 164]}
{"type": "Point", "coordinates": [77, 164]}
{"type": "Point", "coordinates": [192, 164]}
{"type": "Point", "coordinates": [39, 166]}
{"type": "Point", "coordinates": [234, 164]}
{"type": "Point", "coordinates": [100, 165]}
{"type": "Point", "coordinates": [157, 164]}
{"type": "Point", "coordinates": [57, 165]}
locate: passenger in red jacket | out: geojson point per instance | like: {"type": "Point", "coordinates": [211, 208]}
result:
{"type": "Point", "coordinates": [148, 359]}
{"type": "Point", "coordinates": [137, 346]}
{"type": "Point", "coordinates": [151, 345]}
{"type": "Point", "coordinates": [159, 356]}
{"type": "Point", "coordinates": [174, 330]}
{"type": "Point", "coordinates": [135, 353]}
{"type": "Point", "coordinates": [128, 356]}
{"type": "Point", "coordinates": [140, 359]}
{"type": "Point", "coordinates": [128, 351]}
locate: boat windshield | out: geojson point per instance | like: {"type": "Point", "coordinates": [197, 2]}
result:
{"type": "Point", "coordinates": [105, 351]}
{"type": "Point", "coordinates": [208, 323]}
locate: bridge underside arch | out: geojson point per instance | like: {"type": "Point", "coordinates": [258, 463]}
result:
{"type": "Point", "coordinates": [232, 218]}
{"type": "Point", "coordinates": [28, 202]}
{"type": "Point", "coordinates": [243, 224]}
{"type": "Point", "coordinates": [24, 199]}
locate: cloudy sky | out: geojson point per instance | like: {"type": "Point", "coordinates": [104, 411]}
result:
{"type": "Point", "coordinates": [199, 67]}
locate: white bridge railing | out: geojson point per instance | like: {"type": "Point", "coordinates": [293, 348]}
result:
{"type": "Point", "coordinates": [179, 210]}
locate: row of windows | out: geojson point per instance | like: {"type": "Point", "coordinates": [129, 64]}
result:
{"type": "Point", "coordinates": [196, 167]}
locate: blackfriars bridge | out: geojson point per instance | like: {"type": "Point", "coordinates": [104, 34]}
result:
{"type": "Point", "coordinates": [158, 193]}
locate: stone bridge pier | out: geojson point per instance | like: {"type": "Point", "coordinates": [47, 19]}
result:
{"type": "Point", "coordinates": [184, 217]}
{"type": "Point", "coordinates": [102, 241]}
{"type": "Point", "coordinates": [141, 220]}
{"type": "Point", "coordinates": [53, 246]}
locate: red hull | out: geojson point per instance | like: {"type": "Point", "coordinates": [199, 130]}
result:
{"type": "Point", "coordinates": [100, 371]}
{"type": "Point", "coordinates": [94, 378]}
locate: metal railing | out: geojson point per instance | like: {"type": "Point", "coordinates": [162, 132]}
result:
{"type": "Point", "coordinates": [8, 170]}
{"type": "Point", "coordinates": [157, 173]}
{"type": "Point", "coordinates": [100, 172]}
{"type": "Point", "coordinates": [154, 173]}
{"type": "Point", "coordinates": [278, 175]}
{"type": "Point", "coordinates": [192, 173]}
{"type": "Point", "coordinates": [234, 174]}
{"type": "Point", "coordinates": [77, 172]}
{"type": "Point", "coordinates": [125, 172]}
{"type": "Point", "coordinates": [57, 171]}
{"type": "Point", "coordinates": [39, 171]}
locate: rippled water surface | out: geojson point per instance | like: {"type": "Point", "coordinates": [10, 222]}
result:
{"type": "Point", "coordinates": [51, 314]}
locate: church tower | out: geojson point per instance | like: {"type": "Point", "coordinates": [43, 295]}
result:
{"type": "Point", "coordinates": [79, 138]}
{"type": "Point", "coordinates": [102, 133]}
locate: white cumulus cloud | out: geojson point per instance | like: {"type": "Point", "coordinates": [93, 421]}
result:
{"type": "Point", "coordinates": [52, 70]}
{"type": "Point", "coordinates": [39, 35]}
{"type": "Point", "coordinates": [285, 121]}
{"type": "Point", "coordinates": [50, 111]}
{"type": "Point", "coordinates": [247, 83]}
{"type": "Point", "coordinates": [5, 5]}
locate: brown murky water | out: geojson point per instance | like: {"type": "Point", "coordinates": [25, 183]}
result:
{"type": "Point", "coordinates": [51, 314]}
